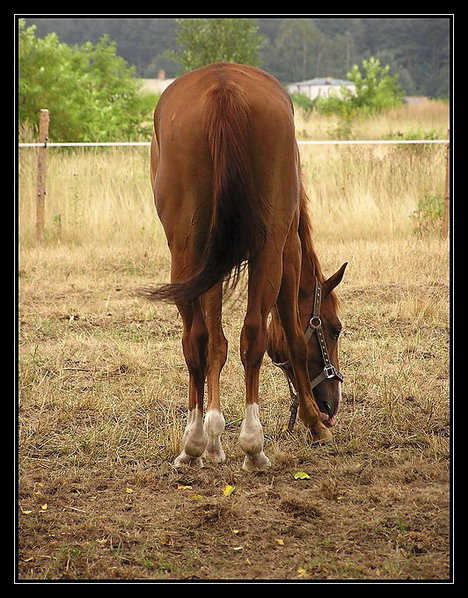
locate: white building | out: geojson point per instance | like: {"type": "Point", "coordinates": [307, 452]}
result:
{"type": "Point", "coordinates": [320, 86]}
{"type": "Point", "coordinates": [156, 85]}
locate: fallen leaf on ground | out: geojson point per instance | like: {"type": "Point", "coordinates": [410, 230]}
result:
{"type": "Point", "coordinates": [279, 541]}
{"type": "Point", "coordinates": [301, 572]}
{"type": "Point", "coordinates": [180, 487]}
{"type": "Point", "coordinates": [129, 490]}
{"type": "Point", "coordinates": [301, 475]}
{"type": "Point", "coordinates": [44, 507]}
{"type": "Point", "coordinates": [228, 490]}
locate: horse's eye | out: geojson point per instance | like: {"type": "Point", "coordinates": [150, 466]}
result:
{"type": "Point", "coordinates": [336, 332]}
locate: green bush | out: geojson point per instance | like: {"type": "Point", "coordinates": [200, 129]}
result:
{"type": "Point", "coordinates": [303, 102]}
{"type": "Point", "coordinates": [376, 90]}
{"type": "Point", "coordinates": [423, 150]}
{"type": "Point", "coordinates": [429, 214]}
{"type": "Point", "coordinates": [342, 130]}
{"type": "Point", "coordinates": [414, 134]}
{"type": "Point", "coordinates": [91, 92]}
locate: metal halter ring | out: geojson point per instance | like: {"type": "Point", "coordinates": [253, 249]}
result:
{"type": "Point", "coordinates": [315, 321]}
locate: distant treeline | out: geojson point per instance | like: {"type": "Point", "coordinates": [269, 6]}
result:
{"type": "Point", "coordinates": [293, 48]}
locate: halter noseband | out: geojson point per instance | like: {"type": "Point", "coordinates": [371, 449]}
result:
{"type": "Point", "coordinates": [329, 370]}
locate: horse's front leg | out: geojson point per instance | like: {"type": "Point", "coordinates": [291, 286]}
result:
{"type": "Point", "coordinates": [264, 283]}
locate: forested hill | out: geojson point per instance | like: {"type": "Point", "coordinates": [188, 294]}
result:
{"type": "Point", "coordinates": [293, 49]}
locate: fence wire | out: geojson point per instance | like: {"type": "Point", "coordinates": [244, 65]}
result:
{"type": "Point", "coordinates": [300, 142]}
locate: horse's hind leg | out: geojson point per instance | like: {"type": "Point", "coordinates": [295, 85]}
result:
{"type": "Point", "coordinates": [264, 284]}
{"type": "Point", "coordinates": [217, 353]}
{"type": "Point", "coordinates": [194, 343]}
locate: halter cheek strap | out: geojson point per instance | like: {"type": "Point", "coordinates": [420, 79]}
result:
{"type": "Point", "coordinates": [329, 370]}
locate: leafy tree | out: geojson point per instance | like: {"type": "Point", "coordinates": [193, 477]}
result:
{"type": "Point", "coordinates": [376, 90]}
{"type": "Point", "coordinates": [340, 54]}
{"type": "Point", "coordinates": [204, 41]}
{"type": "Point", "coordinates": [138, 40]}
{"type": "Point", "coordinates": [303, 102]}
{"type": "Point", "coordinates": [90, 91]}
{"type": "Point", "coordinates": [299, 49]}
{"type": "Point", "coordinates": [420, 46]}
{"type": "Point", "coordinates": [404, 78]}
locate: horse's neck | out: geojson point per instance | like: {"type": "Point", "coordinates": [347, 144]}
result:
{"type": "Point", "coordinates": [306, 292]}
{"type": "Point", "coordinates": [306, 298]}
{"type": "Point", "coordinates": [310, 267]}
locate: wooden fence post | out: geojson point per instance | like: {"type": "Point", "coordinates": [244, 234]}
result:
{"type": "Point", "coordinates": [41, 174]}
{"type": "Point", "coordinates": [445, 217]}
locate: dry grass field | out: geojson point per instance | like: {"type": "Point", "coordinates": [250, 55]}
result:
{"type": "Point", "coordinates": [103, 387]}
{"type": "Point", "coordinates": [421, 119]}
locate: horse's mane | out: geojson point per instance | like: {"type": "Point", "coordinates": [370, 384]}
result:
{"type": "Point", "coordinates": [305, 230]}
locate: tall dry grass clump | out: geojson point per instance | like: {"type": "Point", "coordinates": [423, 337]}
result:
{"type": "Point", "coordinates": [104, 194]}
{"type": "Point", "coordinates": [356, 191]}
{"type": "Point", "coordinates": [431, 116]}
{"type": "Point", "coordinates": [92, 194]}
{"type": "Point", "coordinates": [370, 192]}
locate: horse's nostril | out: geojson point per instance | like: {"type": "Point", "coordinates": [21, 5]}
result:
{"type": "Point", "coordinates": [327, 408]}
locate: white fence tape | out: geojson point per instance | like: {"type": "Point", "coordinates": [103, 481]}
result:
{"type": "Point", "coordinates": [90, 144]}
{"type": "Point", "coordinates": [301, 142]}
{"type": "Point", "coordinates": [374, 142]}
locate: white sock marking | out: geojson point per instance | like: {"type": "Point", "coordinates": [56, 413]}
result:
{"type": "Point", "coordinates": [214, 428]}
{"type": "Point", "coordinates": [251, 440]}
{"type": "Point", "coordinates": [194, 439]}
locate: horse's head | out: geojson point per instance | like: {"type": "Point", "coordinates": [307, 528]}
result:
{"type": "Point", "coordinates": [322, 341]}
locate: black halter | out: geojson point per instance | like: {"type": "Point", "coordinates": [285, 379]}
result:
{"type": "Point", "coordinates": [329, 370]}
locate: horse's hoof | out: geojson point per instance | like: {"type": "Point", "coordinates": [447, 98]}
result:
{"type": "Point", "coordinates": [321, 435]}
{"type": "Point", "coordinates": [217, 456]}
{"type": "Point", "coordinates": [184, 460]}
{"type": "Point", "coordinates": [256, 462]}
{"type": "Point", "coordinates": [321, 441]}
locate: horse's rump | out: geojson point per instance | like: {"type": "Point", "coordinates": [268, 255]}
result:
{"type": "Point", "coordinates": [239, 214]}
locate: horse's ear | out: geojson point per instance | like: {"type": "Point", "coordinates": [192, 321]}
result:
{"type": "Point", "coordinates": [335, 279]}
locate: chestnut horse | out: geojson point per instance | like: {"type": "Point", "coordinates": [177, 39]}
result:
{"type": "Point", "coordinates": [227, 186]}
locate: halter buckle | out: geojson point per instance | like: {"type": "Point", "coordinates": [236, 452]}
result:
{"type": "Point", "coordinates": [330, 371]}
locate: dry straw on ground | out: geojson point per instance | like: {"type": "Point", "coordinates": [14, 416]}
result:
{"type": "Point", "coordinates": [103, 389]}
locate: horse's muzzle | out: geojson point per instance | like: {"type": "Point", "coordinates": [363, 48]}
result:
{"type": "Point", "coordinates": [326, 412]}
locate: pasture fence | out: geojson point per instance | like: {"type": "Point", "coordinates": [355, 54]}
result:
{"type": "Point", "coordinates": [43, 145]}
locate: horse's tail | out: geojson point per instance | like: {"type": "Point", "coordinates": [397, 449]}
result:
{"type": "Point", "coordinates": [237, 229]}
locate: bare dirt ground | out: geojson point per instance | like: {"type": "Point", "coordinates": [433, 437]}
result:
{"type": "Point", "coordinates": [102, 410]}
